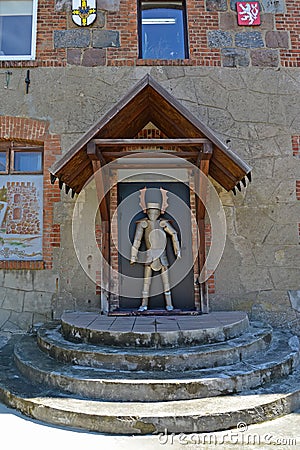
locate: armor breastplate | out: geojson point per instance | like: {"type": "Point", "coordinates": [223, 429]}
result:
{"type": "Point", "coordinates": [154, 244]}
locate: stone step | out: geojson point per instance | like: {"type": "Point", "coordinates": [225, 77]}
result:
{"type": "Point", "coordinates": [153, 331]}
{"type": "Point", "coordinates": [278, 361]}
{"type": "Point", "coordinates": [185, 416]}
{"type": "Point", "coordinates": [256, 339]}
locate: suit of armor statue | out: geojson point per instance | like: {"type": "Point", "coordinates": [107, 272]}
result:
{"type": "Point", "coordinates": [154, 231]}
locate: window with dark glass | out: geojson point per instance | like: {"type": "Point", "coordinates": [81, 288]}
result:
{"type": "Point", "coordinates": [162, 30]}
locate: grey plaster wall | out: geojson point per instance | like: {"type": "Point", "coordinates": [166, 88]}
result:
{"type": "Point", "coordinates": [258, 110]}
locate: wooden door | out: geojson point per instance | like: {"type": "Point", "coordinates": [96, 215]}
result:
{"type": "Point", "coordinates": [129, 212]}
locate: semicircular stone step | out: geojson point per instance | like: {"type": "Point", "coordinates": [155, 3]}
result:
{"type": "Point", "coordinates": [186, 416]}
{"type": "Point", "coordinates": [153, 331]}
{"type": "Point", "coordinates": [255, 339]}
{"type": "Point", "coordinates": [278, 361]}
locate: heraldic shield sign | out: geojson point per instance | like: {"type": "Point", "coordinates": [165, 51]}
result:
{"type": "Point", "coordinates": [84, 12]}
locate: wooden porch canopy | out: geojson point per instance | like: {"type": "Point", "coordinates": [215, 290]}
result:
{"type": "Point", "coordinates": [148, 102]}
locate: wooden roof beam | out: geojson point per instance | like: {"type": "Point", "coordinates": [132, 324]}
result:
{"type": "Point", "coordinates": [180, 142]}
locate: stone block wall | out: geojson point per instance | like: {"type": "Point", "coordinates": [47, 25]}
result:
{"type": "Point", "coordinates": [215, 38]}
{"type": "Point", "coordinates": [257, 109]}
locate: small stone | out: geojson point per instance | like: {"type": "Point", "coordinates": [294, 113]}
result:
{"type": "Point", "coordinates": [267, 21]}
{"type": "Point", "coordinates": [72, 38]}
{"type": "Point", "coordinates": [233, 4]}
{"type": "Point", "coordinates": [74, 56]}
{"type": "Point", "coordinates": [249, 39]}
{"type": "Point", "coordinates": [106, 38]}
{"type": "Point", "coordinates": [277, 39]}
{"type": "Point", "coordinates": [216, 5]}
{"type": "Point", "coordinates": [100, 21]}
{"type": "Point", "coordinates": [63, 5]}
{"type": "Point", "coordinates": [265, 58]}
{"type": "Point", "coordinates": [233, 57]}
{"type": "Point", "coordinates": [109, 5]}
{"type": "Point", "coordinates": [294, 343]}
{"type": "Point", "coordinates": [228, 21]}
{"type": "Point", "coordinates": [219, 39]}
{"type": "Point", "coordinates": [294, 297]}
{"type": "Point", "coordinates": [273, 6]}
{"type": "Point", "coordinates": [93, 57]}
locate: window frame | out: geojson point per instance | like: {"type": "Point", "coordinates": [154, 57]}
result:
{"type": "Point", "coordinates": [6, 171]}
{"type": "Point", "coordinates": [32, 55]}
{"type": "Point", "coordinates": [185, 32]}
{"type": "Point", "coordinates": [10, 158]}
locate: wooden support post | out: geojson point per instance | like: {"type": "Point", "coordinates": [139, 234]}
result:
{"type": "Point", "coordinates": [202, 186]}
{"type": "Point", "coordinates": [105, 223]}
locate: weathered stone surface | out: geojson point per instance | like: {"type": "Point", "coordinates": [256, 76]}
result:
{"type": "Point", "coordinates": [228, 22]}
{"type": "Point", "coordinates": [100, 21]}
{"type": "Point", "coordinates": [234, 57]}
{"type": "Point", "coordinates": [19, 279]}
{"type": "Point", "coordinates": [74, 56]}
{"type": "Point", "coordinates": [268, 6]}
{"type": "Point", "coordinates": [51, 342]}
{"type": "Point", "coordinates": [63, 5]}
{"type": "Point", "coordinates": [46, 281]}
{"type": "Point", "coordinates": [233, 4]}
{"type": "Point", "coordinates": [216, 5]}
{"type": "Point", "coordinates": [238, 106]}
{"type": "Point", "coordinates": [21, 321]}
{"type": "Point", "coordinates": [13, 300]}
{"type": "Point", "coordinates": [109, 5]}
{"type": "Point", "coordinates": [93, 57]}
{"type": "Point", "coordinates": [277, 39]}
{"type": "Point", "coordinates": [72, 38]}
{"type": "Point", "coordinates": [4, 316]}
{"type": "Point", "coordinates": [249, 39]}
{"type": "Point", "coordinates": [37, 301]}
{"type": "Point", "coordinates": [265, 58]}
{"type": "Point", "coordinates": [219, 39]}
{"type": "Point", "coordinates": [105, 38]}
{"type": "Point", "coordinates": [284, 278]}
{"type": "Point", "coordinates": [276, 255]}
{"type": "Point", "coordinates": [294, 297]}
{"type": "Point", "coordinates": [267, 21]}
{"type": "Point", "coordinates": [273, 6]}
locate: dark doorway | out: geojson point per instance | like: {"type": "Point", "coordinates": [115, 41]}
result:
{"type": "Point", "coordinates": [181, 273]}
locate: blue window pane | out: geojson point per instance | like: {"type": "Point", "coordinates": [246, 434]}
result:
{"type": "Point", "coordinates": [28, 162]}
{"type": "Point", "coordinates": [15, 35]}
{"type": "Point", "coordinates": [2, 161]}
{"type": "Point", "coordinates": [163, 33]}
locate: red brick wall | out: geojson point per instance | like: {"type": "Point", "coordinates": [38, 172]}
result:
{"type": "Point", "coordinates": [36, 131]}
{"type": "Point", "coordinates": [200, 22]}
{"type": "Point", "coordinates": [296, 145]}
{"type": "Point", "coordinates": [298, 189]}
{"type": "Point", "coordinates": [290, 22]}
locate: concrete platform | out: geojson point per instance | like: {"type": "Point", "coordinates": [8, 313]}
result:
{"type": "Point", "coordinates": [153, 331]}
